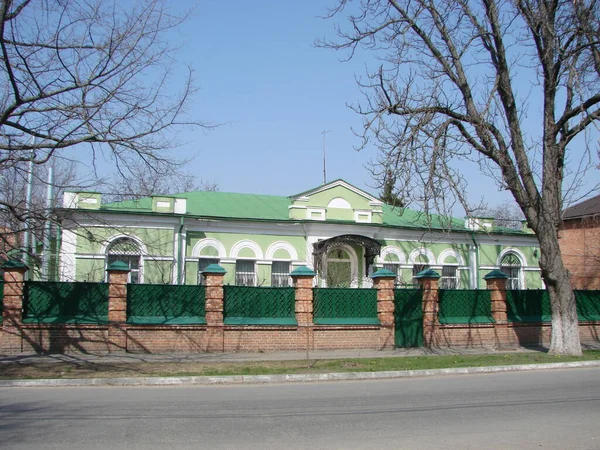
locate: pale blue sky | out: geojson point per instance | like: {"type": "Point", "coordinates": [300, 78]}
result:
{"type": "Point", "coordinates": [259, 73]}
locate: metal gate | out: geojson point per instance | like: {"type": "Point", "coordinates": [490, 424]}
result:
{"type": "Point", "coordinates": [408, 315]}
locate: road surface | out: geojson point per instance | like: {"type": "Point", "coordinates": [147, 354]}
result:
{"type": "Point", "coordinates": [555, 409]}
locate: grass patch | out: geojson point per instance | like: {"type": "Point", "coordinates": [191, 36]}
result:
{"type": "Point", "coordinates": [82, 369]}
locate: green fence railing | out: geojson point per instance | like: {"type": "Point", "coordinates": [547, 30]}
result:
{"type": "Point", "coordinates": [61, 302]}
{"type": "Point", "coordinates": [1, 298]}
{"type": "Point", "coordinates": [530, 305]}
{"type": "Point", "coordinates": [588, 305]}
{"type": "Point", "coordinates": [251, 305]}
{"type": "Point", "coordinates": [170, 304]}
{"type": "Point", "coordinates": [465, 306]}
{"type": "Point", "coordinates": [345, 306]}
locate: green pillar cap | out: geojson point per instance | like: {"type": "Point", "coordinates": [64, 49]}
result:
{"type": "Point", "coordinates": [214, 268]}
{"type": "Point", "coordinates": [302, 271]}
{"type": "Point", "coordinates": [495, 274]}
{"type": "Point", "coordinates": [14, 264]}
{"type": "Point", "coordinates": [384, 273]}
{"type": "Point", "coordinates": [118, 266]}
{"type": "Point", "coordinates": [428, 273]}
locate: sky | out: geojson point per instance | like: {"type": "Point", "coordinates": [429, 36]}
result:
{"type": "Point", "coordinates": [260, 75]}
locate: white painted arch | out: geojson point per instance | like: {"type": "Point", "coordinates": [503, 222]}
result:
{"type": "Point", "coordinates": [134, 238]}
{"type": "Point", "coordinates": [450, 253]}
{"type": "Point", "coordinates": [209, 242]}
{"type": "Point", "coordinates": [518, 253]}
{"type": "Point", "coordinates": [339, 202]}
{"type": "Point", "coordinates": [391, 250]}
{"type": "Point", "coordinates": [246, 243]}
{"type": "Point", "coordinates": [282, 245]}
{"type": "Point", "coordinates": [422, 251]}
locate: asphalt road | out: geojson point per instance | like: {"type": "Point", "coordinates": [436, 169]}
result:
{"type": "Point", "coordinates": [543, 409]}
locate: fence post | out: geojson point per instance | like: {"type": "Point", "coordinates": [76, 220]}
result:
{"type": "Point", "coordinates": [496, 284]}
{"type": "Point", "coordinates": [215, 332]}
{"type": "Point", "coordinates": [428, 280]}
{"type": "Point", "coordinates": [118, 273]}
{"type": "Point", "coordinates": [303, 285]}
{"type": "Point", "coordinates": [383, 281]}
{"type": "Point", "coordinates": [12, 306]}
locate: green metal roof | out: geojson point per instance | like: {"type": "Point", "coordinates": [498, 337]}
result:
{"type": "Point", "coordinates": [225, 205]}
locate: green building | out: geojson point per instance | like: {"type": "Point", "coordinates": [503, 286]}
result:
{"type": "Point", "coordinates": [340, 231]}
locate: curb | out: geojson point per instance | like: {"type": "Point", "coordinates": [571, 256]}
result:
{"type": "Point", "coordinates": [290, 378]}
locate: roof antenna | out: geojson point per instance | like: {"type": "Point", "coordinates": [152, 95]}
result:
{"type": "Point", "coordinates": [324, 132]}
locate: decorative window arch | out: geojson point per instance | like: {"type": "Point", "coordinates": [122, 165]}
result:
{"type": "Point", "coordinates": [129, 250]}
{"type": "Point", "coordinates": [392, 258]}
{"type": "Point", "coordinates": [512, 265]}
{"type": "Point", "coordinates": [417, 265]}
{"type": "Point", "coordinates": [246, 243]}
{"type": "Point", "coordinates": [209, 242]}
{"type": "Point", "coordinates": [281, 266]}
{"type": "Point", "coordinates": [245, 267]}
{"type": "Point", "coordinates": [281, 245]}
{"type": "Point", "coordinates": [450, 278]}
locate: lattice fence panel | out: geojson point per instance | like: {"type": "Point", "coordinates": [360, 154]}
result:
{"type": "Point", "coordinates": [588, 305]}
{"type": "Point", "coordinates": [465, 306]}
{"type": "Point", "coordinates": [528, 305]}
{"type": "Point", "coordinates": [345, 306]}
{"type": "Point", "coordinates": [259, 305]}
{"type": "Point", "coordinates": [165, 304]}
{"type": "Point", "coordinates": [63, 302]}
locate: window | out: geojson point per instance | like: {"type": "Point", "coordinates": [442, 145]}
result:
{"type": "Point", "coordinates": [511, 266]}
{"type": "Point", "coordinates": [128, 251]}
{"type": "Point", "coordinates": [203, 263]}
{"type": "Point", "coordinates": [280, 274]}
{"type": "Point", "coordinates": [419, 267]}
{"type": "Point", "coordinates": [245, 272]}
{"type": "Point", "coordinates": [449, 278]}
{"type": "Point", "coordinates": [394, 267]}
{"type": "Point", "coordinates": [339, 269]}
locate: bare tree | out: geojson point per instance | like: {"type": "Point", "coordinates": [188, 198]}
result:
{"type": "Point", "coordinates": [159, 179]}
{"type": "Point", "coordinates": [506, 84]}
{"type": "Point", "coordinates": [93, 76]}
{"type": "Point", "coordinates": [506, 215]}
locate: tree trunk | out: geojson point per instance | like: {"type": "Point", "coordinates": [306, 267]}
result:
{"type": "Point", "coordinates": [565, 325]}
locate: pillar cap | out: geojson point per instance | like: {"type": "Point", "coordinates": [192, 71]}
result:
{"type": "Point", "coordinates": [118, 266]}
{"type": "Point", "coordinates": [214, 268]}
{"type": "Point", "coordinates": [428, 273]}
{"type": "Point", "coordinates": [302, 271]}
{"type": "Point", "coordinates": [495, 274]}
{"type": "Point", "coordinates": [384, 273]}
{"type": "Point", "coordinates": [14, 264]}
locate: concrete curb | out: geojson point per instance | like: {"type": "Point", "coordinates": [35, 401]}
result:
{"type": "Point", "coordinates": [290, 378]}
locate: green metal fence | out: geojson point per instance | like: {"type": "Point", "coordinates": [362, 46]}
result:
{"type": "Point", "coordinates": [59, 302]}
{"type": "Point", "coordinates": [345, 306]}
{"type": "Point", "coordinates": [588, 305]}
{"type": "Point", "coordinates": [165, 304]}
{"type": "Point", "coordinates": [531, 305]}
{"type": "Point", "coordinates": [408, 316]}
{"type": "Point", "coordinates": [1, 298]}
{"type": "Point", "coordinates": [251, 305]}
{"type": "Point", "coordinates": [465, 306]}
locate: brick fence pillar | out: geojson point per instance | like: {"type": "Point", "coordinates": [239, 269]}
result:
{"type": "Point", "coordinates": [303, 283]}
{"type": "Point", "coordinates": [12, 306]}
{"type": "Point", "coordinates": [496, 284]}
{"type": "Point", "coordinates": [428, 280]}
{"type": "Point", "coordinates": [118, 274]}
{"type": "Point", "coordinates": [383, 281]}
{"type": "Point", "coordinates": [215, 331]}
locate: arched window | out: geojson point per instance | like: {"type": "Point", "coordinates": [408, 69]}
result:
{"type": "Point", "coordinates": [339, 268]}
{"type": "Point", "coordinates": [512, 267]}
{"type": "Point", "coordinates": [128, 251]}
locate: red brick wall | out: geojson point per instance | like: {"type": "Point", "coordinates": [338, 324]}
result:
{"type": "Point", "coordinates": [580, 248]}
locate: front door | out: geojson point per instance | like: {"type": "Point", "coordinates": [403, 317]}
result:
{"type": "Point", "coordinates": [339, 269]}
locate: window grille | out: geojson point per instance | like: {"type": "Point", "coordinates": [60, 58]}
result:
{"type": "Point", "coordinates": [280, 274]}
{"type": "Point", "coordinates": [416, 269]}
{"type": "Point", "coordinates": [245, 273]}
{"type": "Point", "coordinates": [203, 263]}
{"type": "Point", "coordinates": [511, 266]}
{"type": "Point", "coordinates": [449, 278]}
{"type": "Point", "coordinates": [128, 251]}
{"type": "Point", "coordinates": [395, 268]}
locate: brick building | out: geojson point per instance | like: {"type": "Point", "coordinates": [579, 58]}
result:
{"type": "Point", "coordinates": [580, 243]}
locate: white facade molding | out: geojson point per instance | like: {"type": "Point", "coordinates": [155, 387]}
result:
{"type": "Point", "coordinates": [106, 243]}
{"type": "Point", "coordinates": [319, 214]}
{"type": "Point", "coordinates": [391, 250]}
{"type": "Point", "coordinates": [281, 245]}
{"type": "Point", "coordinates": [246, 243]}
{"type": "Point", "coordinates": [339, 202]}
{"type": "Point", "coordinates": [209, 242]}
{"type": "Point", "coordinates": [448, 253]}
{"type": "Point", "coordinates": [518, 253]}
{"type": "Point", "coordinates": [363, 212]}
{"type": "Point", "coordinates": [414, 255]}
{"type": "Point", "coordinates": [68, 247]}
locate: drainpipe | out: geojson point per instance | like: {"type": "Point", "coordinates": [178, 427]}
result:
{"type": "Point", "coordinates": [179, 248]}
{"type": "Point", "coordinates": [475, 277]}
